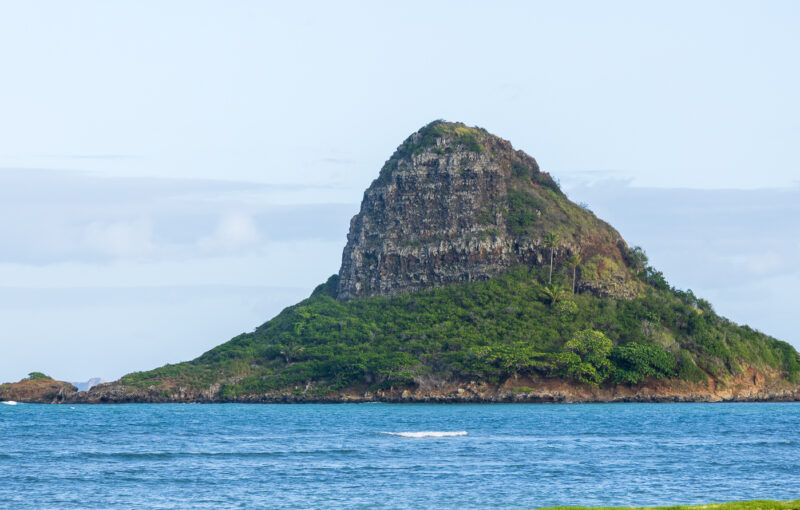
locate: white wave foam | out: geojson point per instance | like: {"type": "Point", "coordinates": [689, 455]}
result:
{"type": "Point", "coordinates": [429, 433]}
{"type": "Point", "coordinates": [9, 402]}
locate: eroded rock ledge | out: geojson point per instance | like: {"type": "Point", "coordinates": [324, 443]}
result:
{"type": "Point", "coordinates": [745, 388]}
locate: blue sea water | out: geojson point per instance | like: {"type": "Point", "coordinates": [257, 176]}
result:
{"type": "Point", "coordinates": [343, 456]}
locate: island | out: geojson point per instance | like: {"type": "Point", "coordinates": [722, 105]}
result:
{"type": "Point", "coordinates": [469, 276]}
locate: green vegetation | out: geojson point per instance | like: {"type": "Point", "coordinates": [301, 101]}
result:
{"type": "Point", "coordinates": [544, 179]}
{"type": "Point", "coordinates": [486, 217]}
{"type": "Point", "coordinates": [34, 376]}
{"type": "Point", "coordinates": [590, 363]}
{"type": "Point", "coordinates": [552, 294]}
{"type": "Point", "coordinates": [574, 261]}
{"type": "Point", "coordinates": [524, 322]}
{"type": "Point", "coordinates": [519, 170]}
{"type": "Point", "coordinates": [488, 330]}
{"type": "Point", "coordinates": [734, 505]}
{"type": "Point", "coordinates": [636, 360]}
{"type": "Point", "coordinates": [551, 241]}
{"type": "Point", "coordinates": [523, 172]}
{"type": "Point", "coordinates": [521, 212]}
{"type": "Point", "coordinates": [428, 135]}
{"type": "Point", "coordinates": [457, 134]}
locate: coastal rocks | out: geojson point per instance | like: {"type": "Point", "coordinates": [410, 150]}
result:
{"type": "Point", "coordinates": [457, 204]}
{"type": "Point", "coordinates": [119, 393]}
{"type": "Point", "coordinates": [41, 391]}
{"type": "Point", "coordinates": [751, 386]}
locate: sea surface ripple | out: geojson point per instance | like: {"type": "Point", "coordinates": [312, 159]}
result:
{"type": "Point", "coordinates": [395, 456]}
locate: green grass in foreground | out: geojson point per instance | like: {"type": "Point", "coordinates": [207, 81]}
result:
{"type": "Point", "coordinates": [735, 505]}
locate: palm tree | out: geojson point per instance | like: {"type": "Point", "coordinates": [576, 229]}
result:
{"type": "Point", "coordinates": [553, 293]}
{"type": "Point", "coordinates": [551, 241]}
{"type": "Point", "coordinates": [574, 260]}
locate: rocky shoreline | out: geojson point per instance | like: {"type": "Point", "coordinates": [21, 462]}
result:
{"type": "Point", "coordinates": [41, 391]}
{"type": "Point", "coordinates": [746, 388]}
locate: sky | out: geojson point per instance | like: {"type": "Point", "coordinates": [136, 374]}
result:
{"type": "Point", "coordinates": [175, 173]}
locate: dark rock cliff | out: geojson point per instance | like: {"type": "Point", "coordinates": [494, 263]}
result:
{"type": "Point", "coordinates": [456, 204]}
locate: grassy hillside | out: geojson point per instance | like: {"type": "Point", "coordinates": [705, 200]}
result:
{"type": "Point", "coordinates": [515, 324]}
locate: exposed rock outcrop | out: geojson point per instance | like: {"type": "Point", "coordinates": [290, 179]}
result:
{"type": "Point", "coordinates": [44, 391]}
{"type": "Point", "coordinates": [749, 387]}
{"type": "Point", "coordinates": [457, 204]}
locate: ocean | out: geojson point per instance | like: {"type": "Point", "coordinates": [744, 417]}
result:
{"type": "Point", "coordinates": [395, 455]}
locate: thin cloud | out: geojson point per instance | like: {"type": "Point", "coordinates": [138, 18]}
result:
{"type": "Point", "coordinates": [338, 161]}
{"type": "Point", "coordinates": [91, 156]}
{"type": "Point", "coordinates": [120, 239]}
{"type": "Point", "coordinates": [234, 232]}
{"type": "Point", "coordinates": [767, 263]}
{"type": "Point", "coordinates": [78, 217]}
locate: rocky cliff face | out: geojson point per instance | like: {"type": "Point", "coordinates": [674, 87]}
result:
{"type": "Point", "coordinates": [457, 204]}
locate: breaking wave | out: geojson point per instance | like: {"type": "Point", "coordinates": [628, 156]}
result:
{"type": "Point", "coordinates": [429, 433]}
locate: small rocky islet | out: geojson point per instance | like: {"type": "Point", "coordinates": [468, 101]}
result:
{"type": "Point", "coordinates": [469, 276]}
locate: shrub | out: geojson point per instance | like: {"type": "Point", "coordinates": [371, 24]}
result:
{"type": "Point", "coordinates": [521, 210]}
{"type": "Point", "coordinates": [544, 179]}
{"type": "Point", "coordinates": [520, 171]}
{"type": "Point", "coordinates": [565, 308]}
{"type": "Point", "coordinates": [687, 370]}
{"type": "Point", "coordinates": [636, 258]}
{"type": "Point", "coordinates": [592, 348]}
{"type": "Point", "coordinates": [655, 278]}
{"type": "Point", "coordinates": [428, 135]}
{"type": "Point", "coordinates": [34, 376]}
{"type": "Point", "coordinates": [486, 217]}
{"type": "Point", "coordinates": [635, 361]}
